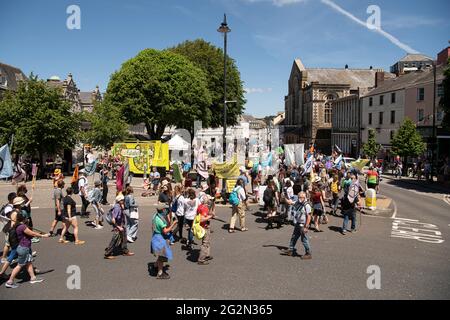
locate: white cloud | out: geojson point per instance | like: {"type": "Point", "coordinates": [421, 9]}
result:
{"type": "Point", "coordinates": [257, 90]}
{"type": "Point", "coordinates": [390, 37]}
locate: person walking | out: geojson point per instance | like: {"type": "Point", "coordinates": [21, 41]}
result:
{"type": "Point", "coordinates": [83, 187]}
{"type": "Point", "coordinates": [155, 178]}
{"type": "Point", "coordinates": [372, 178]}
{"type": "Point", "coordinates": [238, 209]}
{"type": "Point", "coordinates": [160, 247]}
{"type": "Point", "coordinates": [6, 211]}
{"type": "Point", "coordinates": [335, 188]}
{"type": "Point", "coordinates": [95, 198]}
{"type": "Point", "coordinates": [25, 258]}
{"type": "Point", "coordinates": [302, 218]}
{"type": "Point", "coordinates": [118, 243]}
{"type": "Point", "coordinates": [205, 220]}
{"type": "Point", "coordinates": [349, 204]}
{"type": "Point", "coordinates": [318, 206]}
{"type": "Point", "coordinates": [132, 213]}
{"type": "Point", "coordinates": [69, 217]}
{"type": "Point", "coordinates": [178, 207]}
{"type": "Point", "coordinates": [191, 206]}
{"type": "Point", "coordinates": [57, 197]}
{"type": "Point", "coordinates": [104, 179]}
{"type": "Point", "coordinates": [270, 202]}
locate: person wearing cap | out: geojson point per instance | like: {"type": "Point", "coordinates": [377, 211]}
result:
{"type": "Point", "coordinates": [160, 247]}
{"type": "Point", "coordinates": [57, 197]}
{"type": "Point", "coordinates": [95, 198]}
{"type": "Point", "coordinates": [119, 239]}
{"type": "Point", "coordinates": [83, 187]}
{"type": "Point", "coordinates": [205, 219]}
{"type": "Point", "coordinates": [25, 258]}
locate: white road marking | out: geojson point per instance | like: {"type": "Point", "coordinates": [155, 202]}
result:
{"type": "Point", "coordinates": [413, 229]}
{"type": "Point", "coordinates": [395, 210]}
{"type": "Point", "coordinates": [447, 199]}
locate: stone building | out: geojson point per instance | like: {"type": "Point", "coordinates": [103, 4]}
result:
{"type": "Point", "coordinates": [9, 78]}
{"type": "Point", "coordinates": [411, 63]}
{"type": "Point", "coordinates": [69, 89]}
{"type": "Point", "coordinates": [88, 99]}
{"type": "Point", "coordinates": [308, 105]}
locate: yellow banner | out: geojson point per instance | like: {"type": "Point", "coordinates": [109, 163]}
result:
{"type": "Point", "coordinates": [139, 154]}
{"type": "Point", "coordinates": [359, 164]}
{"type": "Point", "coordinates": [231, 183]}
{"type": "Point", "coordinates": [227, 170]}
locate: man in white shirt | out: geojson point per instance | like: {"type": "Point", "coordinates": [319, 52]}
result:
{"type": "Point", "coordinates": [83, 187]}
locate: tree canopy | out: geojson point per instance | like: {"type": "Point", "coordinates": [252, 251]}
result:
{"type": "Point", "coordinates": [40, 120]}
{"type": "Point", "coordinates": [160, 88]}
{"type": "Point", "coordinates": [407, 141]}
{"type": "Point", "coordinates": [211, 60]}
{"type": "Point", "coordinates": [371, 148]}
{"type": "Point", "coordinates": [107, 125]}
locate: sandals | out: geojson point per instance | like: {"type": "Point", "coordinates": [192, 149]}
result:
{"type": "Point", "coordinates": [63, 241]}
{"type": "Point", "coordinates": [231, 231]}
{"type": "Point", "coordinates": [244, 229]}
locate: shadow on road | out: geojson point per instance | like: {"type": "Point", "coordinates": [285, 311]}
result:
{"type": "Point", "coordinates": [421, 186]}
{"type": "Point", "coordinates": [335, 228]}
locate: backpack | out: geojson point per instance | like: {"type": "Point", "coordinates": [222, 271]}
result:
{"type": "Point", "coordinates": [299, 211]}
{"type": "Point", "coordinates": [234, 198]}
{"type": "Point", "coordinates": [13, 239]}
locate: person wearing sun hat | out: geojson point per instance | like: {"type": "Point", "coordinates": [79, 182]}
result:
{"type": "Point", "coordinates": [119, 239]}
{"type": "Point", "coordinates": [57, 176]}
{"type": "Point", "coordinates": [159, 245]}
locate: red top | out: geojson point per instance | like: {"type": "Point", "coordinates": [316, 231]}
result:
{"type": "Point", "coordinates": [204, 212]}
{"type": "Point", "coordinates": [316, 197]}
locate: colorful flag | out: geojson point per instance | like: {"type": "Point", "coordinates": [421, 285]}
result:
{"type": "Point", "coordinates": [91, 167]}
{"type": "Point", "coordinates": [360, 163]}
{"type": "Point", "coordinates": [227, 170]}
{"type": "Point", "coordinates": [309, 164]}
{"type": "Point", "coordinates": [6, 167]}
{"type": "Point", "coordinates": [75, 175]}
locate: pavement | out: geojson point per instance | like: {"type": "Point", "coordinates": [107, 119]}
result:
{"type": "Point", "coordinates": [410, 249]}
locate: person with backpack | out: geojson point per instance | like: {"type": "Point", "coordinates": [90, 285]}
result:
{"type": "Point", "coordinates": [25, 258]}
{"type": "Point", "coordinates": [132, 213]}
{"type": "Point", "coordinates": [159, 244]}
{"type": "Point", "coordinates": [57, 197]}
{"type": "Point", "coordinates": [5, 213]}
{"type": "Point", "coordinates": [237, 199]}
{"type": "Point", "coordinates": [69, 217]}
{"type": "Point", "coordinates": [349, 204]}
{"type": "Point", "coordinates": [271, 202]}
{"type": "Point", "coordinates": [302, 218]}
{"type": "Point", "coordinates": [205, 219]}
{"type": "Point", "coordinates": [83, 191]}
{"type": "Point", "coordinates": [118, 242]}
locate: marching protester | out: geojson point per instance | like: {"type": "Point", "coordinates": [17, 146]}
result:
{"type": "Point", "coordinates": [25, 258]}
{"type": "Point", "coordinates": [6, 213]}
{"type": "Point", "coordinates": [155, 177]}
{"type": "Point", "coordinates": [335, 188]}
{"type": "Point", "coordinates": [238, 206]}
{"type": "Point", "coordinates": [271, 202]}
{"type": "Point", "coordinates": [118, 243]}
{"type": "Point", "coordinates": [372, 178]}
{"type": "Point", "coordinates": [191, 206]}
{"type": "Point", "coordinates": [159, 244]}
{"type": "Point", "coordinates": [104, 179]}
{"type": "Point", "coordinates": [57, 197]}
{"type": "Point", "coordinates": [132, 213]}
{"type": "Point", "coordinates": [302, 219]}
{"type": "Point", "coordinates": [69, 217]}
{"type": "Point", "coordinates": [318, 203]}
{"type": "Point", "coordinates": [205, 219]}
{"type": "Point", "coordinates": [83, 187]}
{"type": "Point", "coordinates": [57, 176]}
{"type": "Point", "coordinates": [178, 207]}
{"type": "Point", "coordinates": [349, 204]}
{"type": "Point", "coordinates": [26, 208]}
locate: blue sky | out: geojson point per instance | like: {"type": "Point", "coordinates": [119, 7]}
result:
{"type": "Point", "coordinates": [267, 35]}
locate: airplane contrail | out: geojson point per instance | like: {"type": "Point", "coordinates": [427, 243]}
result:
{"type": "Point", "coordinates": [388, 36]}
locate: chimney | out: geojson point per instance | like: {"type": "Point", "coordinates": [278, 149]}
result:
{"type": "Point", "coordinates": [443, 56]}
{"type": "Point", "coordinates": [379, 78]}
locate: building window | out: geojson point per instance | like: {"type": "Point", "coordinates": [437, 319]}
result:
{"type": "Point", "coordinates": [392, 116]}
{"type": "Point", "coordinates": [420, 94]}
{"type": "Point", "coordinates": [381, 118]}
{"type": "Point", "coordinates": [420, 115]}
{"type": "Point", "coordinates": [328, 112]}
{"type": "Point", "coordinates": [440, 116]}
{"type": "Point", "coordinates": [440, 90]}
{"type": "Point", "coordinates": [392, 134]}
{"type": "Point", "coordinates": [381, 100]}
{"type": "Point", "coordinates": [370, 101]}
{"type": "Point", "coordinates": [393, 97]}
{"type": "Point", "coordinates": [370, 118]}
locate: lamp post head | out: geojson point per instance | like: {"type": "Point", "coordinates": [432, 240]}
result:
{"type": "Point", "coordinates": [224, 26]}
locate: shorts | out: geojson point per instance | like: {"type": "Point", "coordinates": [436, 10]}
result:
{"type": "Point", "coordinates": [24, 256]}
{"type": "Point", "coordinates": [58, 217]}
{"type": "Point", "coordinates": [318, 210]}
{"type": "Point", "coordinates": [12, 255]}
{"type": "Point", "coordinates": [371, 185]}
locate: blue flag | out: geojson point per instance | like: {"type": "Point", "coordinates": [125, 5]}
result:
{"type": "Point", "coordinates": [6, 168]}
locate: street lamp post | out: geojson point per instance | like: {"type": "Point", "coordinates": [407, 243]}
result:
{"type": "Point", "coordinates": [224, 29]}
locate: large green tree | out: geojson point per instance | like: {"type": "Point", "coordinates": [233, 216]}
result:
{"type": "Point", "coordinates": [211, 60]}
{"type": "Point", "coordinates": [106, 126]}
{"type": "Point", "coordinates": [445, 100]}
{"type": "Point", "coordinates": [371, 148]}
{"type": "Point", "coordinates": [407, 141]}
{"type": "Point", "coordinates": [40, 120]}
{"type": "Point", "coordinates": [160, 89]}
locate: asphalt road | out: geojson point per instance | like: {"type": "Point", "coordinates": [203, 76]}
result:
{"type": "Point", "coordinates": [248, 265]}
